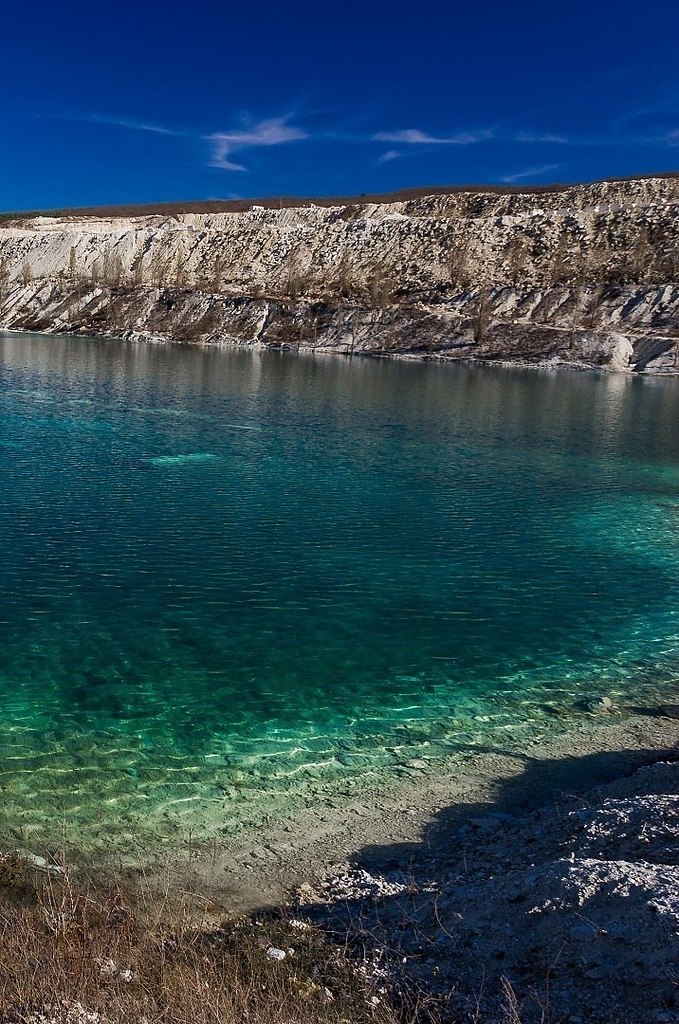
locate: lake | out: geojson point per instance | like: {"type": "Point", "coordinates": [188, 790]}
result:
{"type": "Point", "coordinates": [238, 576]}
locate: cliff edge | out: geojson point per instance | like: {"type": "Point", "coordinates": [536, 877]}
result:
{"type": "Point", "coordinates": [585, 276]}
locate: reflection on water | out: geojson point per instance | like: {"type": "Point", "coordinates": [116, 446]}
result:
{"type": "Point", "coordinates": [229, 576]}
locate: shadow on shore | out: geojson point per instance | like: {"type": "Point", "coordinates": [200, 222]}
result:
{"type": "Point", "coordinates": [426, 911]}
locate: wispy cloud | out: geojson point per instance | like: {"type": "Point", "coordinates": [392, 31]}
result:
{"type": "Point", "coordinates": [526, 136]}
{"type": "Point", "coordinates": [607, 139]}
{"type": "Point", "coordinates": [652, 140]}
{"type": "Point", "coordinates": [529, 172]}
{"type": "Point", "coordinates": [131, 123]}
{"type": "Point", "coordinates": [655, 108]}
{"type": "Point", "coordinates": [225, 150]}
{"type": "Point", "coordinates": [272, 132]}
{"type": "Point", "coordinates": [415, 137]}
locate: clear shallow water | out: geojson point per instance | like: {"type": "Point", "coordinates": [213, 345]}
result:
{"type": "Point", "coordinates": [231, 576]}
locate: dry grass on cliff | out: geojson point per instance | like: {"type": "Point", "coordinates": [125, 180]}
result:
{"type": "Point", "coordinates": [284, 202]}
{"type": "Point", "coordinates": [170, 209]}
{"type": "Point", "coordinates": [89, 956]}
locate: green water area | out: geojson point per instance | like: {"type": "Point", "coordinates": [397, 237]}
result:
{"type": "Point", "coordinates": [238, 576]}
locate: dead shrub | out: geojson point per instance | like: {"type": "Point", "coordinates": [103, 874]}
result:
{"type": "Point", "coordinates": [481, 314]}
{"type": "Point", "coordinates": [380, 287]}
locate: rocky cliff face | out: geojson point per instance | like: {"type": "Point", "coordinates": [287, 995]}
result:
{"type": "Point", "coordinates": [586, 276]}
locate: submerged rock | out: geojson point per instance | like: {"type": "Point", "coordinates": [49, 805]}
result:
{"type": "Point", "coordinates": [597, 705]}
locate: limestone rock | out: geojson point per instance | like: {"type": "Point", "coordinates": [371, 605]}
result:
{"type": "Point", "coordinates": [586, 276]}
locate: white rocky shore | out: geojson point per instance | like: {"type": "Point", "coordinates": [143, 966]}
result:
{"type": "Point", "coordinates": [585, 276]}
{"type": "Point", "coordinates": [569, 914]}
{"type": "Point", "coordinates": [484, 894]}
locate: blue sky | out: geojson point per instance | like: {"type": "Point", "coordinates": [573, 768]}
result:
{"type": "Point", "coordinates": [138, 102]}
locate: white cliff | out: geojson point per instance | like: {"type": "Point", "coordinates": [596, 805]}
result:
{"type": "Point", "coordinates": [587, 276]}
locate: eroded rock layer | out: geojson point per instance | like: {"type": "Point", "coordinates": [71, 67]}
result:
{"type": "Point", "coordinates": [586, 276]}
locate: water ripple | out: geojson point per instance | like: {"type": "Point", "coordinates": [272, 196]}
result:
{"type": "Point", "coordinates": [229, 577]}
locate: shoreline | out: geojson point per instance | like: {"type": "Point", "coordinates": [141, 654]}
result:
{"type": "Point", "coordinates": [439, 358]}
{"type": "Point", "coordinates": [407, 819]}
{"type": "Point", "coordinates": [570, 908]}
{"type": "Point", "coordinates": [258, 841]}
{"type": "Point", "coordinates": [480, 275]}
{"type": "Point", "coordinates": [552, 884]}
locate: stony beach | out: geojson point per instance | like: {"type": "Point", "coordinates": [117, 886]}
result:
{"type": "Point", "coordinates": [544, 885]}
{"type": "Point", "coordinates": [416, 813]}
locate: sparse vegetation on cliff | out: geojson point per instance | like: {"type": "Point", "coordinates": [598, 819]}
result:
{"type": "Point", "coordinates": [584, 275]}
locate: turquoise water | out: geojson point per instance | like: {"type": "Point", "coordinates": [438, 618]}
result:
{"type": "Point", "coordinates": [230, 576]}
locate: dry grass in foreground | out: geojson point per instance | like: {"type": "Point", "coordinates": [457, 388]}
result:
{"type": "Point", "coordinates": [79, 956]}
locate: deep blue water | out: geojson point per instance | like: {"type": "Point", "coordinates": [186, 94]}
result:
{"type": "Point", "coordinates": [228, 573]}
